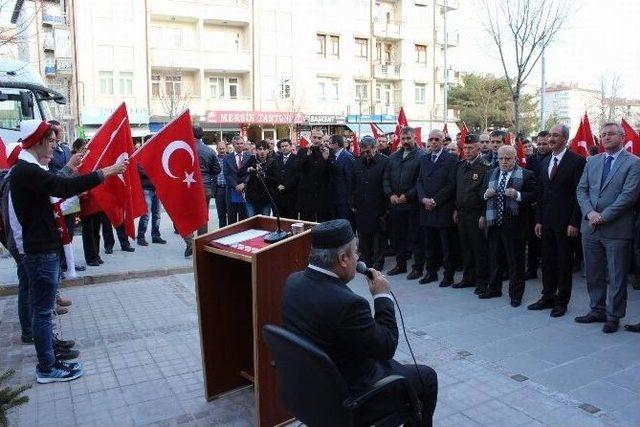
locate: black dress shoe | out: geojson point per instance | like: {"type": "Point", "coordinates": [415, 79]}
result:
{"type": "Point", "coordinates": [480, 289]}
{"type": "Point", "coordinates": [446, 282]}
{"type": "Point", "coordinates": [188, 251]}
{"type": "Point", "coordinates": [159, 240]}
{"type": "Point", "coordinates": [415, 274]}
{"type": "Point", "coordinates": [558, 311]}
{"type": "Point", "coordinates": [610, 326]}
{"type": "Point", "coordinates": [490, 294]}
{"type": "Point", "coordinates": [462, 284]}
{"type": "Point", "coordinates": [515, 302]}
{"type": "Point", "coordinates": [590, 318]}
{"type": "Point", "coordinates": [141, 241]}
{"type": "Point", "coordinates": [129, 249]}
{"type": "Point", "coordinates": [81, 267]}
{"type": "Point", "coordinates": [541, 304]}
{"type": "Point", "coordinates": [398, 269]}
{"type": "Point", "coordinates": [428, 278]}
{"type": "Point", "coordinates": [632, 328]}
{"type": "Point", "coordinates": [108, 251]}
{"type": "Point", "coordinates": [100, 261]}
{"type": "Point", "coordinates": [93, 263]}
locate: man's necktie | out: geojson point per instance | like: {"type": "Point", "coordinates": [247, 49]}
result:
{"type": "Point", "coordinates": [238, 160]}
{"type": "Point", "coordinates": [434, 157]}
{"type": "Point", "coordinates": [606, 169]}
{"type": "Point", "coordinates": [501, 197]}
{"type": "Point", "coordinates": [554, 169]}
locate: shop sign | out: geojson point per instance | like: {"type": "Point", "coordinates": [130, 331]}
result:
{"type": "Point", "coordinates": [324, 119]}
{"type": "Point", "coordinates": [254, 117]}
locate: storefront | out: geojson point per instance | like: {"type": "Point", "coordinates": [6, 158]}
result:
{"type": "Point", "coordinates": [93, 117]}
{"type": "Point", "coordinates": [254, 125]}
{"type": "Point", "coordinates": [330, 124]}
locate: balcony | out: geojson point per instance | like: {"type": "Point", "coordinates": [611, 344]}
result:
{"type": "Point", "coordinates": [453, 38]}
{"type": "Point", "coordinates": [226, 12]}
{"type": "Point", "coordinates": [64, 65]}
{"type": "Point", "coordinates": [390, 30]}
{"type": "Point", "coordinates": [48, 43]}
{"type": "Point", "coordinates": [391, 71]}
{"type": "Point", "coordinates": [50, 70]}
{"type": "Point", "coordinates": [450, 4]}
{"type": "Point", "coordinates": [453, 77]}
{"type": "Point", "coordinates": [208, 60]}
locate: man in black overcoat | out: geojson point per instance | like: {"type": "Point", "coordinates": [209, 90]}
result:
{"type": "Point", "coordinates": [315, 184]}
{"type": "Point", "coordinates": [285, 172]}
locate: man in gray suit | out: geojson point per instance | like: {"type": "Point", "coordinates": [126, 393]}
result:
{"type": "Point", "coordinates": [607, 193]}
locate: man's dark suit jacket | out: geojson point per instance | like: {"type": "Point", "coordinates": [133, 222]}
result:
{"type": "Point", "coordinates": [232, 175]}
{"type": "Point", "coordinates": [437, 181]}
{"type": "Point", "coordinates": [287, 175]}
{"type": "Point", "coordinates": [324, 310]}
{"type": "Point", "coordinates": [344, 177]}
{"type": "Point", "coordinates": [528, 194]}
{"type": "Point", "coordinates": [557, 205]}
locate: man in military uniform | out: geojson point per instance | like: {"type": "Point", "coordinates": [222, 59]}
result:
{"type": "Point", "coordinates": [470, 178]}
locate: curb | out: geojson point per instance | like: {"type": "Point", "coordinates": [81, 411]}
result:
{"type": "Point", "coordinates": [12, 289]}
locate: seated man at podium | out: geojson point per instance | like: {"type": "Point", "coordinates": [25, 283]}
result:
{"type": "Point", "coordinates": [318, 305]}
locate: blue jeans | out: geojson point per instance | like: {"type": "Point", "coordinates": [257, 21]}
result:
{"type": "Point", "coordinates": [262, 209]}
{"type": "Point", "coordinates": [43, 270]}
{"type": "Point", "coordinates": [24, 305]}
{"type": "Point", "coordinates": [153, 205]}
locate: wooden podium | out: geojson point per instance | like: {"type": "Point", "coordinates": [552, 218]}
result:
{"type": "Point", "coordinates": [238, 291]}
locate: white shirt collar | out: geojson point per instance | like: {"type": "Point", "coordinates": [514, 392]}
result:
{"type": "Point", "coordinates": [614, 155]}
{"type": "Point", "coordinates": [339, 152]}
{"type": "Point", "coordinates": [322, 270]}
{"type": "Point", "coordinates": [437, 154]}
{"type": "Point", "coordinates": [559, 156]}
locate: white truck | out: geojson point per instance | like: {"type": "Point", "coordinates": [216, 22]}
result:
{"type": "Point", "coordinates": [23, 95]}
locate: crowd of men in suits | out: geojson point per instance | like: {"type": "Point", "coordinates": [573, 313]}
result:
{"type": "Point", "coordinates": [481, 212]}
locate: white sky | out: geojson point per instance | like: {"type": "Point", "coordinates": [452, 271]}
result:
{"type": "Point", "coordinates": [600, 37]}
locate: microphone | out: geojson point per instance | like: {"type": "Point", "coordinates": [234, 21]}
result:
{"type": "Point", "coordinates": [362, 268]}
{"type": "Point", "coordinates": [279, 234]}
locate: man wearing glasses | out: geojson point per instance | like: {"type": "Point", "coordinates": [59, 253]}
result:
{"type": "Point", "coordinates": [399, 182]}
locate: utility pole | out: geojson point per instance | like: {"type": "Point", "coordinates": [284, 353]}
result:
{"type": "Point", "coordinates": [543, 89]}
{"type": "Point", "coordinates": [445, 113]}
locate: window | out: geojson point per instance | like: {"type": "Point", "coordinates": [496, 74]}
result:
{"type": "Point", "coordinates": [174, 37]}
{"type": "Point", "coordinates": [362, 48]}
{"type": "Point", "coordinates": [335, 46]}
{"type": "Point", "coordinates": [327, 89]}
{"type": "Point", "coordinates": [233, 87]}
{"type": "Point", "coordinates": [106, 82]}
{"type": "Point", "coordinates": [173, 85]}
{"type": "Point", "coordinates": [378, 51]}
{"type": "Point", "coordinates": [421, 93]}
{"type": "Point", "coordinates": [421, 53]}
{"type": "Point", "coordinates": [216, 87]}
{"type": "Point", "coordinates": [388, 53]}
{"type": "Point", "coordinates": [362, 91]}
{"type": "Point", "coordinates": [285, 89]}
{"type": "Point", "coordinates": [126, 83]}
{"type": "Point", "coordinates": [155, 85]}
{"type": "Point", "coordinates": [322, 44]}
{"type": "Point", "coordinates": [384, 93]}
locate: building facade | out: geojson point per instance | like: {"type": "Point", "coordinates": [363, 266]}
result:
{"type": "Point", "coordinates": [569, 102]}
{"type": "Point", "coordinates": [264, 68]}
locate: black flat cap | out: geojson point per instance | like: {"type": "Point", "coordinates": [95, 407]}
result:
{"type": "Point", "coordinates": [472, 138]}
{"type": "Point", "coordinates": [331, 234]}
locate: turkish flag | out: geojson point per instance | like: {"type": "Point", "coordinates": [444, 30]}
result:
{"type": "Point", "coordinates": [355, 145]}
{"type": "Point", "coordinates": [375, 131]}
{"type": "Point", "coordinates": [418, 134]}
{"type": "Point", "coordinates": [3, 155]}
{"type": "Point", "coordinates": [171, 161]}
{"type": "Point", "coordinates": [579, 142]}
{"type": "Point", "coordinates": [591, 141]}
{"type": "Point", "coordinates": [402, 122]}
{"type": "Point", "coordinates": [120, 196]}
{"type": "Point", "coordinates": [632, 139]}
{"type": "Point", "coordinates": [522, 159]}
{"type": "Point", "coordinates": [303, 143]}
{"type": "Point", "coordinates": [103, 136]}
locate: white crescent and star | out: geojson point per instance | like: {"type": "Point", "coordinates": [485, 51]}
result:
{"type": "Point", "coordinates": [166, 156]}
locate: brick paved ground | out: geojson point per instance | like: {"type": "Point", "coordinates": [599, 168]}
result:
{"type": "Point", "coordinates": [496, 365]}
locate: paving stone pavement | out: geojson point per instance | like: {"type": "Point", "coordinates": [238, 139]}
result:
{"type": "Point", "coordinates": [496, 365]}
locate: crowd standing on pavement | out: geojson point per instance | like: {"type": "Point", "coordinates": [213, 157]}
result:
{"type": "Point", "coordinates": [466, 205]}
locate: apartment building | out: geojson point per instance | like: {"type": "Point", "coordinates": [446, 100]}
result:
{"type": "Point", "coordinates": [568, 102]}
{"type": "Point", "coordinates": [41, 33]}
{"type": "Point", "coordinates": [264, 68]}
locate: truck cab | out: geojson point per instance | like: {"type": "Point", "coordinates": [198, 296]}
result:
{"type": "Point", "coordinates": [23, 96]}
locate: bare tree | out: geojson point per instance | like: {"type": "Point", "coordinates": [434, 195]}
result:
{"type": "Point", "coordinates": [290, 99]}
{"type": "Point", "coordinates": [12, 33]}
{"type": "Point", "coordinates": [171, 90]}
{"type": "Point", "coordinates": [521, 30]}
{"type": "Point", "coordinates": [610, 105]}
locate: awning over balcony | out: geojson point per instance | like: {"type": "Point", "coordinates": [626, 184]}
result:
{"type": "Point", "coordinates": [365, 129]}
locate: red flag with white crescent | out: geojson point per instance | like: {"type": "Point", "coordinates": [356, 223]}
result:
{"type": "Point", "coordinates": [631, 138]}
{"type": "Point", "coordinates": [171, 161]}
